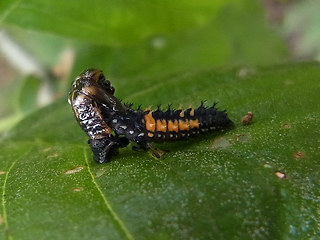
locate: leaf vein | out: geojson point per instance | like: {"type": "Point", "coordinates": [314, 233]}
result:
{"type": "Point", "coordinates": [9, 10]}
{"type": "Point", "coordinates": [113, 213]}
{"type": "Point", "coordinates": [3, 200]}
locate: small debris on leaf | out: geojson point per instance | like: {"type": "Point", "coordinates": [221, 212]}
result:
{"type": "Point", "coordinates": [77, 189]}
{"type": "Point", "coordinates": [74, 170]}
{"type": "Point", "coordinates": [299, 154]}
{"type": "Point", "coordinates": [280, 174]}
{"type": "Point", "coordinates": [286, 126]}
{"type": "Point", "coordinates": [1, 172]}
{"type": "Point", "coordinates": [247, 119]}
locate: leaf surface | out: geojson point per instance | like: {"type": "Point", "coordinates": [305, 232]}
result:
{"type": "Point", "coordinates": [51, 187]}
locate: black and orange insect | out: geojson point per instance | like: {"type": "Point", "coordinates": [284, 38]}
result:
{"type": "Point", "coordinates": [111, 124]}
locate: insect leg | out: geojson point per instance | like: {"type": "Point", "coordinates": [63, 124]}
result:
{"type": "Point", "coordinates": [157, 153]}
{"type": "Point", "coordinates": [104, 148]}
{"type": "Point", "coordinates": [90, 118]}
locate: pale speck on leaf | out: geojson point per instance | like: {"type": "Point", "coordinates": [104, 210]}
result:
{"type": "Point", "coordinates": [221, 143]}
{"type": "Point", "coordinates": [280, 174]}
{"type": "Point", "coordinates": [267, 165]}
{"type": "Point", "coordinates": [53, 155]}
{"type": "Point", "coordinates": [286, 125]}
{"type": "Point", "coordinates": [74, 170]}
{"type": "Point", "coordinates": [299, 154]}
{"type": "Point", "coordinates": [77, 189]}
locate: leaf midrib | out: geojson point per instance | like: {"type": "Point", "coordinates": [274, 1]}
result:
{"type": "Point", "coordinates": [105, 201]}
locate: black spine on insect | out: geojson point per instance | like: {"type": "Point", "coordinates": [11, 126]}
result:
{"type": "Point", "coordinates": [111, 124]}
{"type": "Point", "coordinates": [178, 124]}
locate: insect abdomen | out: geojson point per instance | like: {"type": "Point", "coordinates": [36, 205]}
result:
{"type": "Point", "coordinates": [177, 124]}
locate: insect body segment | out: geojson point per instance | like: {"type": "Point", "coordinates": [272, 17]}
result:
{"type": "Point", "coordinates": [111, 124]}
{"type": "Point", "coordinates": [178, 124]}
{"type": "Point", "coordinates": [89, 117]}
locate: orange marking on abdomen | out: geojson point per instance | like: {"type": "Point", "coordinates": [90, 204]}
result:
{"type": "Point", "coordinates": [150, 122]}
{"type": "Point", "coordinates": [184, 125]}
{"type": "Point", "coordinates": [173, 126]}
{"type": "Point", "coordinates": [194, 123]}
{"type": "Point", "coordinates": [161, 125]}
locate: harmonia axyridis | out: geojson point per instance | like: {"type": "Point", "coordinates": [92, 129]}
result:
{"type": "Point", "coordinates": [111, 124]}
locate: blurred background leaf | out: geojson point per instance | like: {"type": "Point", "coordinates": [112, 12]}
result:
{"type": "Point", "coordinates": [301, 25]}
{"type": "Point", "coordinates": [182, 36]}
{"type": "Point", "coordinates": [123, 22]}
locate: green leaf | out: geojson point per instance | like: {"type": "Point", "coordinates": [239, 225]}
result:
{"type": "Point", "coordinates": [119, 18]}
{"type": "Point", "coordinates": [301, 23]}
{"type": "Point", "coordinates": [254, 182]}
{"type": "Point", "coordinates": [219, 42]}
{"type": "Point", "coordinates": [52, 189]}
{"type": "Point", "coordinates": [27, 96]}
